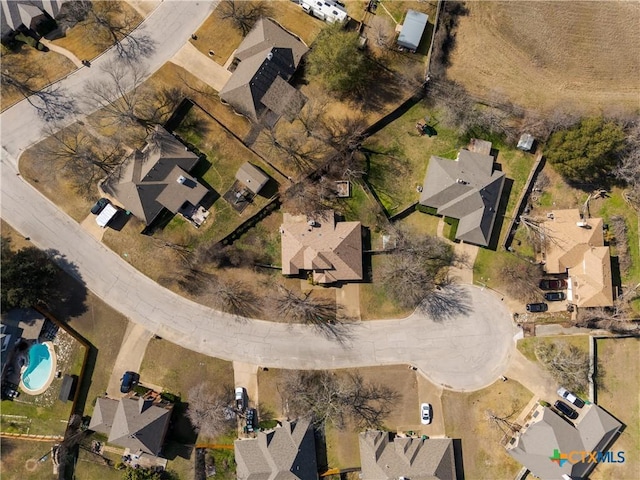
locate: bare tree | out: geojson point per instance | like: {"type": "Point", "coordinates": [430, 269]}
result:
{"type": "Point", "coordinates": [415, 266]}
{"type": "Point", "coordinates": [382, 32]}
{"type": "Point", "coordinates": [310, 196]}
{"type": "Point", "coordinates": [123, 100]}
{"type": "Point", "coordinates": [80, 155]}
{"type": "Point", "coordinates": [232, 296]}
{"type": "Point", "coordinates": [628, 170]}
{"type": "Point", "coordinates": [244, 14]}
{"type": "Point", "coordinates": [568, 364]}
{"type": "Point", "coordinates": [296, 150]}
{"type": "Point", "coordinates": [330, 398]}
{"type": "Point", "coordinates": [306, 309]}
{"type": "Point", "coordinates": [51, 102]}
{"type": "Point", "coordinates": [519, 278]}
{"type": "Point", "coordinates": [211, 412]}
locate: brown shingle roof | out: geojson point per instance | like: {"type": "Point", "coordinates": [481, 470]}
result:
{"type": "Point", "coordinates": [331, 250]}
{"type": "Point", "coordinates": [580, 252]}
{"type": "Point", "coordinates": [252, 177]}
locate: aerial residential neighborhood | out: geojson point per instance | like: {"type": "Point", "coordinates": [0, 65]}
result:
{"type": "Point", "coordinates": [342, 240]}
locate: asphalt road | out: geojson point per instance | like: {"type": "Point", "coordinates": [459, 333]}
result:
{"type": "Point", "coordinates": [467, 351]}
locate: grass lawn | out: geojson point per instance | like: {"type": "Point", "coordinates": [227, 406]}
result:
{"type": "Point", "coordinates": [50, 66]}
{"type": "Point", "coordinates": [375, 303]}
{"type": "Point", "coordinates": [401, 153]}
{"type": "Point", "coordinates": [90, 465]}
{"type": "Point", "coordinates": [219, 34]}
{"type": "Point", "coordinates": [15, 454]}
{"type": "Point", "coordinates": [465, 417]}
{"type": "Point", "coordinates": [527, 345]}
{"type": "Point", "coordinates": [82, 41]}
{"type": "Point", "coordinates": [177, 369]}
{"type": "Point", "coordinates": [617, 392]}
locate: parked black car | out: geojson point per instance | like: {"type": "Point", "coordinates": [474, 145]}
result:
{"type": "Point", "coordinates": [537, 307]}
{"type": "Point", "coordinates": [128, 381]}
{"type": "Point", "coordinates": [252, 419]}
{"type": "Point", "coordinates": [566, 410]}
{"type": "Point", "coordinates": [99, 206]}
{"type": "Point", "coordinates": [553, 284]}
{"type": "Point", "coordinates": [554, 296]}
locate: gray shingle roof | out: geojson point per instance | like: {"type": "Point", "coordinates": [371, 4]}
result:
{"type": "Point", "coordinates": [148, 180]}
{"type": "Point", "coordinates": [548, 432]}
{"type": "Point", "coordinates": [252, 177]}
{"type": "Point", "coordinates": [268, 52]}
{"type": "Point", "coordinates": [284, 453]}
{"type": "Point", "coordinates": [22, 12]}
{"type": "Point", "coordinates": [468, 189]}
{"type": "Point", "coordinates": [132, 423]}
{"type": "Point", "coordinates": [412, 29]}
{"type": "Point", "coordinates": [384, 456]}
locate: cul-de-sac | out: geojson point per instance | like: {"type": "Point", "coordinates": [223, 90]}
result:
{"type": "Point", "coordinates": [320, 239]}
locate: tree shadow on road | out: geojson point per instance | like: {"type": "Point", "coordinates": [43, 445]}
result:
{"type": "Point", "coordinates": [446, 302]}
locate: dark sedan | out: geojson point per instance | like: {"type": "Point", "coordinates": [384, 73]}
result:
{"type": "Point", "coordinates": [566, 410]}
{"type": "Point", "coordinates": [537, 307]}
{"type": "Point", "coordinates": [553, 284]}
{"type": "Point", "coordinates": [128, 381]}
{"type": "Point", "coordinates": [554, 296]}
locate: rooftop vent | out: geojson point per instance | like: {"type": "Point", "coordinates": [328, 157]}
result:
{"type": "Point", "coordinates": [270, 56]}
{"type": "Point", "coordinates": [181, 179]}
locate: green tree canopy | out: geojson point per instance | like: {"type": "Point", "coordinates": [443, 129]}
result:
{"type": "Point", "coordinates": [337, 60]}
{"type": "Point", "coordinates": [587, 152]}
{"type": "Point", "coordinates": [28, 277]}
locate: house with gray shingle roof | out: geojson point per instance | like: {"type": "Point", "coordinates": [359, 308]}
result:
{"type": "Point", "coordinates": [17, 14]}
{"type": "Point", "coordinates": [547, 432]}
{"type": "Point", "coordinates": [287, 452]}
{"type": "Point", "coordinates": [330, 250]}
{"type": "Point", "coordinates": [134, 423]}
{"type": "Point", "coordinates": [468, 189]}
{"type": "Point", "coordinates": [268, 57]}
{"type": "Point", "coordinates": [385, 456]}
{"type": "Point", "coordinates": [157, 178]}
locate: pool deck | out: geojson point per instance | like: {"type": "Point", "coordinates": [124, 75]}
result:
{"type": "Point", "coordinates": [54, 365]}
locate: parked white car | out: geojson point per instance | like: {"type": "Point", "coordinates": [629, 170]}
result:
{"type": "Point", "coordinates": [425, 413]}
{"type": "Point", "coordinates": [570, 397]}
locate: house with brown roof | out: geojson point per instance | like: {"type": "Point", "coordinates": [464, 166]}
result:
{"type": "Point", "coordinates": [545, 433]}
{"type": "Point", "coordinates": [266, 60]}
{"type": "Point", "coordinates": [330, 250]}
{"type": "Point", "coordinates": [575, 246]}
{"type": "Point", "coordinates": [251, 177]}
{"type": "Point", "coordinates": [157, 178]}
{"type": "Point", "coordinates": [385, 456]}
{"type": "Point", "coordinates": [287, 452]}
{"type": "Point", "coordinates": [137, 423]}
{"type": "Point", "coordinates": [468, 188]}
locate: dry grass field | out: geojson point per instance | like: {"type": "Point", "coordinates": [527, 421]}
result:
{"type": "Point", "coordinates": [618, 394]}
{"type": "Point", "coordinates": [581, 56]}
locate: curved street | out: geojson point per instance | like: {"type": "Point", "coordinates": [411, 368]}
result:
{"type": "Point", "coordinates": [466, 351]}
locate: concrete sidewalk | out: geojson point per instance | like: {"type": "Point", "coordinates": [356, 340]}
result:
{"type": "Point", "coordinates": [201, 66]}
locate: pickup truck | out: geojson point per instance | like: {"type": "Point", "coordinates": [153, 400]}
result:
{"type": "Point", "coordinates": [106, 215]}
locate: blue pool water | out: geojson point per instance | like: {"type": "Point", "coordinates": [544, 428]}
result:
{"type": "Point", "coordinates": [39, 369]}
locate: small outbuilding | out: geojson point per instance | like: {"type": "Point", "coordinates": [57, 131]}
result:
{"type": "Point", "coordinates": [526, 142]}
{"type": "Point", "coordinates": [252, 177]}
{"type": "Point", "coordinates": [412, 30]}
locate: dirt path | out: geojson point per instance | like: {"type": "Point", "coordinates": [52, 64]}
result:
{"type": "Point", "coordinates": [132, 350]}
{"type": "Point", "coordinates": [62, 51]}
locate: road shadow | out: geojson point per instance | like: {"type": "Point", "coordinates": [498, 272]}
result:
{"type": "Point", "coordinates": [446, 302]}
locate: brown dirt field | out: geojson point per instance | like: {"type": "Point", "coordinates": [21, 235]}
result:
{"type": "Point", "coordinates": [465, 418]}
{"type": "Point", "coordinates": [50, 67]}
{"type": "Point", "coordinates": [545, 55]}
{"type": "Point", "coordinates": [618, 394]}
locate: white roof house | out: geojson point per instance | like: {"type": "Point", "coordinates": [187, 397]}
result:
{"type": "Point", "coordinates": [412, 30]}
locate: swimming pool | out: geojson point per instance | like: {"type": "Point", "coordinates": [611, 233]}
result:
{"type": "Point", "coordinates": [38, 374]}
